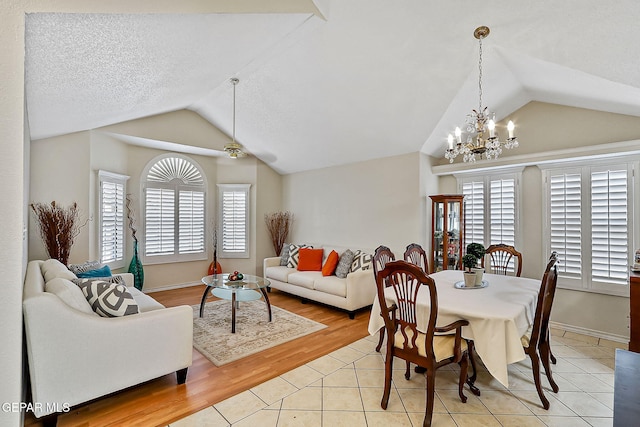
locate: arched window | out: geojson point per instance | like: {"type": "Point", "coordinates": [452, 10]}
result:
{"type": "Point", "coordinates": [174, 189]}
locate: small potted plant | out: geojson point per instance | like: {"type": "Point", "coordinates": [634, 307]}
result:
{"type": "Point", "coordinates": [477, 250]}
{"type": "Point", "coordinates": [469, 261]}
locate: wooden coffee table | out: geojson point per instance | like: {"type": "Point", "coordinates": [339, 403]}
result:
{"type": "Point", "coordinates": [250, 288]}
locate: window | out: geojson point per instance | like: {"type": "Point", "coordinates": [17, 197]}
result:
{"type": "Point", "coordinates": [111, 235]}
{"type": "Point", "coordinates": [490, 208]}
{"type": "Point", "coordinates": [589, 222]}
{"type": "Point", "coordinates": [174, 210]}
{"type": "Point", "coordinates": [233, 238]}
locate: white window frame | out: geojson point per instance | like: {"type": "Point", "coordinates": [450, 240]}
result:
{"type": "Point", "coordinates": [486, 177]}
{"type": "Point", "coordinates": [120, 238]}
{"type": "Point", "coordinates": [585, 168]}
{"type": "Point", "coordinates": [176, 186]}
{"type": "Point", "coordinates": [236, 188]}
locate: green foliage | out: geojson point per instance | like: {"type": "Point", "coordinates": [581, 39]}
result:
{"type": "Point", "coordinates": [476, 249]}
{"type": "Point", "coordinates": [469, 261]}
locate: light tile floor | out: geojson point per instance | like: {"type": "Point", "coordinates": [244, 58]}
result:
{"type": "Point", "coordinates": [344, 388]}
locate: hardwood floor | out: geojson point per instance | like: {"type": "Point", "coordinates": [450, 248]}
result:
{"type": "Point", "coordinates": [161, 401]}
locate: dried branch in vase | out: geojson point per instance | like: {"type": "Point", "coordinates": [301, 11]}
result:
{"type": "Point", "coordinates": [278, 224]}
{"type": "Point", "coordinates": [131, 217]}
{"type": "Point", "coordinates": [58, 226]}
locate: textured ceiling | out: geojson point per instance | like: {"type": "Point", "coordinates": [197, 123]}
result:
{"type": "Point", "coordinates": [373, 79]}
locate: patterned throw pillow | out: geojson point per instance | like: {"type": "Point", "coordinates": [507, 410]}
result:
{"type": "Point", "coordinates": [82, 268]}
{"type": "Point", "coordinates": [294, 255]}
{"type": "Point", "coordinates": [344, 264]}
{"type": "Point", "coordinates": [108, 299]}
{"type": "Point", "coordinates": [361, 261]}
{"type": "Point", "coordinates": [284, 255]}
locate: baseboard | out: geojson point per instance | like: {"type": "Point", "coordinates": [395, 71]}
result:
{"type": "Point", "coordinates": [170, 287]}
{"type": "Point", "coordinates": [590, 332]}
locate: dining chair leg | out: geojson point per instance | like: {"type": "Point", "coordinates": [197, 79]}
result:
{"type": "Point", "coordinates": [472, 379]}
{"type": "Point", "coordinates": [379, 346]}
{"type": "Point", "coordinates": [551, 356]}
{"type": "Point", "coordinates": [545, 351]}
{"type": "Point", "coordinates": [407, 374]}
{"type": "Point", "coordinates": [431, 390]}
{"type": "Point", "coordinates": [464, 373]}
{"type": "Point", "coordinates": [388, 370]}
{"type": "Point", "coordinates": [535, 365]}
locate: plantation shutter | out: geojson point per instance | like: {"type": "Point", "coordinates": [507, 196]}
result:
{"type": "Point", "coordinates": [473, 211]}
{"type": "Point", "coordinates": [112, 192]}
{"type": "Point", "coordinates": [609, 258]}
{"type": "Point", "coordinates": [234, 214]}
{"type": "Point", "coordinates": [159, 221]}
{"type": "Point", "coordinates": [502, 206]}
{"type": "Point", "coordinates": [191, 218]}
{"type": "Point", "coordinates": [565, 222]}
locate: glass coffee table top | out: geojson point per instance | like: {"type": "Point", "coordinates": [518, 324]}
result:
{"type": "Point", "coordinates": [250, 288]}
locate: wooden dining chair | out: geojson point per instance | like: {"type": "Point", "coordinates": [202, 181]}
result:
{"type": "Point", "coordinates": [405, 341]}
{"type": "Point", "coordinates": [535, 341]}
{"type": "Point", "coordinates": [416, 255]}
{"type": "Point", "coordinates": [500, 255]}
{"type": "Point", "coordinates": [381, 256]}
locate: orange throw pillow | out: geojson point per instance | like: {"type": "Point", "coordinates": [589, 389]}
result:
{"type": "Point", "coordinates": [330, 264]}
{"type": "Point", "coordinates": [310, 259]}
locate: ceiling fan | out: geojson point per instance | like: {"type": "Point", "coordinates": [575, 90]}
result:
{"type": "Point", "coordinates": [234, 149]}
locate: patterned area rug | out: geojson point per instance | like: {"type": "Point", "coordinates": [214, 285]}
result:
{"type": "Point", "coordinates": [213, 338]}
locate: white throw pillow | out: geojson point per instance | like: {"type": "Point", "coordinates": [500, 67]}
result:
{"type": "Point", "coordinates": [53, 268]}
{"type": "Point", "coordinates": [361, 261]}
{"type": "Point", "coordinates": [70, 293]}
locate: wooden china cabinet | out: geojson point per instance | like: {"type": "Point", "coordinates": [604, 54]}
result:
{"type": "Point", "coordinates": [634, 312]}
{"type": "Point", "coordinates": [447, 226]}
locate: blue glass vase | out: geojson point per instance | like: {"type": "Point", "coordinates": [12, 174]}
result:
{"type": "Point", "coordinates": [135, 268]}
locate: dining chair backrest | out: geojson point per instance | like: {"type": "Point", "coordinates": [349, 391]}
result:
{"type": "Point", "coordinates": [546, 295]}
{"type": "Point", "coordinates": [500, 256]}
{"type": "Point", "coordinates": [381, 256]}
{"type": "Point", "coordinates": [416, 255]}
{"type": "Point", "coordinates": [407, 279]}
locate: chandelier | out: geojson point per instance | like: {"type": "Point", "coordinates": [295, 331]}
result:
{"type": "Point", "coordinates": [481, 126]}
{"type": "Point", "coordinates": [233, 148]}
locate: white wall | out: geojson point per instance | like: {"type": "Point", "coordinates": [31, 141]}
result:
{"type": "Point", "coordinates": [546, 127]}
{"type": "Point", "coordinates": [360, 205]}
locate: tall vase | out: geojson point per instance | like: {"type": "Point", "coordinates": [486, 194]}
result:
{"type": "Point", "coordinates": [135, 268]}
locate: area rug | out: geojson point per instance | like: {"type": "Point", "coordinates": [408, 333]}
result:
{"type": "Point", "coordinates": [213, 338]}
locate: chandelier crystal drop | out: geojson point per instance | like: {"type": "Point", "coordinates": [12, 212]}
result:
{"type": "Point", "coordinates": [481, 138]}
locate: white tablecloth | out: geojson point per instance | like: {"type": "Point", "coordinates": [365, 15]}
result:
{"type": "Point", "coordinates": [498, 315]}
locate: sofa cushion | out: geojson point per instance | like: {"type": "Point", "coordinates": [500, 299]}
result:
{"type": "Point", "coordinates": [86, 266]}
{"type": "Point", "coordinates": [344, 264]}
{"type": "Point", "coordinates": [361, 261]}
{"type": "Point", "coordinates": [331, 285]}
{"type": "Point", "coordinates": [294, 255]}
{"type": "Point", "coordinates": [69, 293]}
{"type": "Point", "coordinates": [53, 268]}
{"type": "Point", "coordinates": [330, 264]}
{"type": "Point", "coordinates": [103, 271]}
{"type": "Point", "coordinates": [304, 279]}
{"type": "Point", "coordinates": [144, 301]}
{"type": "Point", "coordinates": [310, 259]}
{"type": "Point", "coordinates": [108, 299]}
{"type": "Point", "coordinates": [284, 254]}
{"type": "Point", "coordinates": [279, 273]}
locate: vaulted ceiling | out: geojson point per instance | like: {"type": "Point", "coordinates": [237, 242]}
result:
{"type": "Point", "coordinates": [337, 81]}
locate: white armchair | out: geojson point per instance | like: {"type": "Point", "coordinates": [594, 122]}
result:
{"type": "Point", "coordinates": [75, 356]}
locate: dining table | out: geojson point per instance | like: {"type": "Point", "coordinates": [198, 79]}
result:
{"type": "Point", "coordinates": [499, 313]}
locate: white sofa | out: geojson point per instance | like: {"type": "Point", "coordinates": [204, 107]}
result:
{"type": "Point", "coordinates": [76, 356]}
{"type": "Point", "coordinates": [352, 293]}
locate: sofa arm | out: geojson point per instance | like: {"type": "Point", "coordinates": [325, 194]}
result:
{"type": "Point", "coordinates": [75, 357]}
{"type": "Point", "coordinates": [270, 262]}
{"type": "Point", "coordinates": [361, 287]}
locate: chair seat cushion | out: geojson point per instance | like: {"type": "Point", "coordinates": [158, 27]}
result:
{"type": "Point", "coordinates": [526, 338]}
{"type": "Point", "coordinates": [443, 345]}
